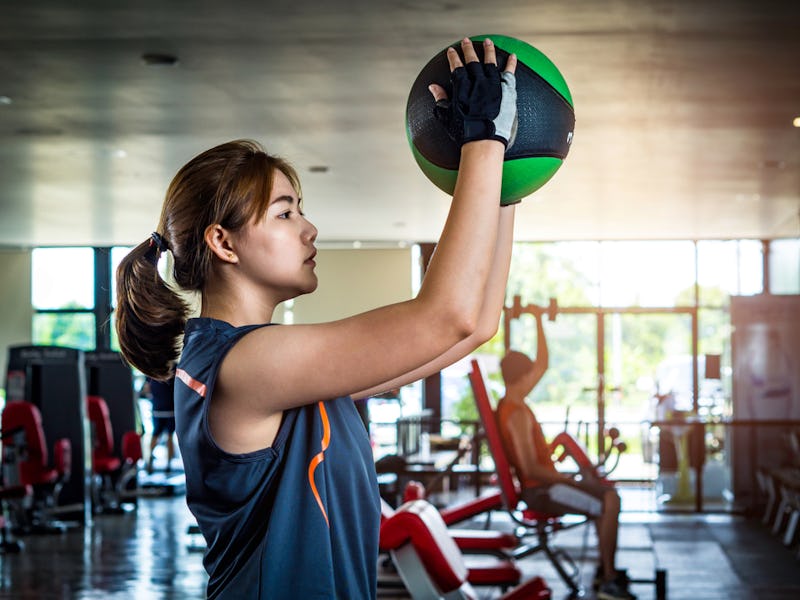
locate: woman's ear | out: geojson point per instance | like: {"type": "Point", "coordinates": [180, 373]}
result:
{"type": "Point", "coordinates": [218, 239]}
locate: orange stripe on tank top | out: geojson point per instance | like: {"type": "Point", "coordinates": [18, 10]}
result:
{"type": "Point", "coordinates": [326, 438]}
{"type": "Point", "coordinates": [197, 386]}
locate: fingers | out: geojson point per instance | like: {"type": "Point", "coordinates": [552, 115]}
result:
{"type": "Point", "coordinates": [469, 54]}
{"type": "Point", "coordinates": [489, 56]}
{"type": "Point", "coordinates": [469, 51]}
{"type": "Point", "coordinates": [511, 63]}
{"type": "Point", "coordinates": [438, 92]}
{"type": "Point", "coordinates": [454, 59]}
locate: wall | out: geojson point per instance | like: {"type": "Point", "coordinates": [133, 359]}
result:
{"type": "Point", "coordinates": [353, 281]}
{"type": "Point", "coordinates": [16, 312]}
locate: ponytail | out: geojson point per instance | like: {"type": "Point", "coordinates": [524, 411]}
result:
{"type": "Point", "coordinates": [150, 315]}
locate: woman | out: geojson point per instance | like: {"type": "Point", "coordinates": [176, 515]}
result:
{"type": "Point", "coordinates": [279, 471]}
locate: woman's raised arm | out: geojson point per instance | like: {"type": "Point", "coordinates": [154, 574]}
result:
{"type": "Point", "coordinates": [275, 368]}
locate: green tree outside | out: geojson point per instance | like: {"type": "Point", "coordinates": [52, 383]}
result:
{"type": "Point", "coordinates": [72, 330]}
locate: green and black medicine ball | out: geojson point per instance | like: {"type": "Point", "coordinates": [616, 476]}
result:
{"type": "Point", "coordinates": [545, 113]}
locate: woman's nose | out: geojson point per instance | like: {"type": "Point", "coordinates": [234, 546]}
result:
{"type": "Point", "coordinates": [310, 231]}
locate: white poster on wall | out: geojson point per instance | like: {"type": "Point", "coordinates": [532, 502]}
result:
{"type": "Point", "coordinates": [766, 383]}
{"type": "Point", "coordinates": [766, 355]}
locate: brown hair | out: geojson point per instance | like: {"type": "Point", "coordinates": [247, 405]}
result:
{"type": "Point", "coordinates": [229, 184]}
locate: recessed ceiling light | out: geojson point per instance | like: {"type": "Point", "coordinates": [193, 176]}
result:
{"type": "Point", "coordinates": [156, 59]}
{"type": "Point", "coordinates": [796, 122]}
{"type": "Point", "coordinates": [5, 100]}
{"type": "Point", "coordinates": [773, 164]}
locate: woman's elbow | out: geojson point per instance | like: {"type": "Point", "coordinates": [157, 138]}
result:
{"type": "Point", "coordinates": [485, 331]}
{"type": "Point", "coordinates": [475, 329]}
{"type": "Point", "coordinates": [455, 324]}
{"type": "Point", "coordinates": [464, 326]}
{"type": "Point", "coordinates": [476, 334]}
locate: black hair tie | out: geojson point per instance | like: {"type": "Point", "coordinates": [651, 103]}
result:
{"type": "Point", "coordinates": [157, 246]}
{"type": "Point", "coordinates": [155, 238]}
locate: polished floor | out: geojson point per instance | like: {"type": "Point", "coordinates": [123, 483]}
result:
{"type": "Point", "coordinates": [147, 554]}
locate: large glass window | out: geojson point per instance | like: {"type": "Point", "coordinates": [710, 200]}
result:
{"type": "Point", "coordinates": [784, 266]}
{"type": "Point", "coordinates": [640, 347]}
{"type": "Point", "coordinates": [714, 338]}
{"type": "Point", "coordinates": [63, 278]}
{"type": "Point", "coordinates": [73, 329]}
{"type": "Point", "coordinates": [62, 293]}
{"type": "Point", "coordinates": [568, 271]}
{"type": "Point", "coordinates": [646, 273]}
{"type": "Point", "coordinates": [728, 268]}
{"type": "Point", "coordinates": [751, 267]}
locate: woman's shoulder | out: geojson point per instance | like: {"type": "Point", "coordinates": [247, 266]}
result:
{"type": "Point", "coordinates": [206, 325]}
{"type": "Point", "coordinates": [207, 340]}
{"type": "Point", "coordinates": [203, 336]}
{"type": "Point", "coordinates": [203, 328]}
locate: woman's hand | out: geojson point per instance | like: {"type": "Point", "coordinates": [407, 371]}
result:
{"type": "Point", "coordinates": [484, 103]}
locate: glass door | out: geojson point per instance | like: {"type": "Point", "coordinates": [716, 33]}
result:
{"type": "Point", "coordinates": [648, 372]}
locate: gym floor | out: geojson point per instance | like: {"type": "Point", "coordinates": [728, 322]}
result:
{"type": "Point", "coordinates": [147, 554]}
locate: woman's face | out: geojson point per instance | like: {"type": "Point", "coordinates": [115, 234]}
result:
{"type": "Point", "coordinates": [277, 251]}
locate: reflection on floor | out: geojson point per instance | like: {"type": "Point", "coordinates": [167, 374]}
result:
{"type": "Point", "coordinates": [147, 555]}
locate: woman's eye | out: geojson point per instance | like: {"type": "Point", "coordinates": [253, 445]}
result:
{"type": "Point", "coordinates": [285, 215]}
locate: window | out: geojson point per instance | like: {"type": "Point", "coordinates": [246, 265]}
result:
{"type": "Point", "coordinates": [569, 271]}
{"type": "Point", "coordinates": [73, 329]}
{"type": "Point", "coordinates": [62, 293]}
{"type": "Point", "coordinates": [784, 266]}
{"type": "Point", "coordinates": [728, 268]}
{"type": "Point", "coordinates": [647, 273]}
{"type": "Point", "coordinates": [751, 267]}
{"type": "Point", "coordinates": [63, 278]}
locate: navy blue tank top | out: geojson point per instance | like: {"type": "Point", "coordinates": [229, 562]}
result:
{"type": "Point", "coordinates": [298, 519]}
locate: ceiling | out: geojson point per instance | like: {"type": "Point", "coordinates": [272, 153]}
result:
{"type": "Point", "coordinates": [684, 112]}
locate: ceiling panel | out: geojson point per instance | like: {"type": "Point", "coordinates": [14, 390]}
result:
{"type": "Point", "coordinates": [683, 112]}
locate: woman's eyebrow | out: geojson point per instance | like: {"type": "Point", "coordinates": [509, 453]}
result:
{"type": "Point", "coordinates": [285, 198]}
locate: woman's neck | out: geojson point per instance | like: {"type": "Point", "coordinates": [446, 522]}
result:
{"type": "Point", "coordinates": [236, 305]}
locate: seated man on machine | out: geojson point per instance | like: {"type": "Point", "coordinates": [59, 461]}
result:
{"type": "Point", "coordinates": [543, 487]}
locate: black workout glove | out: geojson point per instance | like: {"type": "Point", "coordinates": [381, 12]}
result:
{"type": "Point", "coordinates": [483, 105]}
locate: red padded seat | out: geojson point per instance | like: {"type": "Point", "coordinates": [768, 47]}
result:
{"type": "Point", "coordinates": [468, 540]}
{"type": "Point", "coordinates": [131, 447]}
{"type": "Point", "coordinates": [33, 464]}
{"type": "Point", "coordinates": [103, 459]}
{"type": "Point", "coordinates": [470, 508]}
{"type": "Point", "coordinates": [419, 523]}
{"type": "Point", "coordinates": [435, 562]}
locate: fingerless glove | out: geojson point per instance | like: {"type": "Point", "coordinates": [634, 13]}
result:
{"type": "Point", "coordinates": [483, 105]}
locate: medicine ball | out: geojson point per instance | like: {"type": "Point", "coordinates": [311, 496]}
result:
{"type": "Point", "coordinates": [544, 110]}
